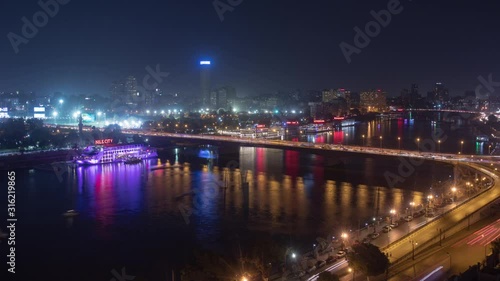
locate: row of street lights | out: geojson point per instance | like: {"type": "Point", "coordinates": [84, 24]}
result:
{"type": "Point", "coordinates": [345, 236]}
{"type": "Point", "coordinates": [418, 143]}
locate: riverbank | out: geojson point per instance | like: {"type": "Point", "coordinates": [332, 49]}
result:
{"type": "Point", "coordinates": [32, 159]}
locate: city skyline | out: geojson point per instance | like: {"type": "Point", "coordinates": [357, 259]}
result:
{"type": "Point", "coordinates": [81, 49]}
{"type": "Point", "coordinates": [237, 140]}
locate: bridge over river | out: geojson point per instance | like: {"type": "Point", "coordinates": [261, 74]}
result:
{"type": "Point", "coordinates": [419, 238]}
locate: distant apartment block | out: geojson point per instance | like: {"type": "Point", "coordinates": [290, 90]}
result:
{"type": "Point", "coordinates": [373, 101]}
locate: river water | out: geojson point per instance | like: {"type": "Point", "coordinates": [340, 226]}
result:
{"type": "Point", "coordinates": [148, 218]}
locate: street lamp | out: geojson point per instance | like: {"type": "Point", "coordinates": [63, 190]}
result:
{"type": "Point", "coordinates": [380, 141]}
{"type": "Point", "coordinates": [429, 200]}
{"type": "Point", "coordinates": [489, 149]}
{"type": "Point", "coordinates": [399, 143]}
{"type": "Point", "coordinates": [351, 270]}
{"type": "Point", "coordinates": [347, 139]}
{"type": "Point", "coordinates": [363, 136]}
{"type": "Point", "coordinates": [439, 146]}
{"type": "Point", "coordinates": [418, 144]}
{"type": "Point", "coordinates": [412, 204]}
{"type": "Point", "coordinates": [461, 146]}
{"type": "Point", "coordinates": [393, 212]}
{"type": "Point", "coordinates": [413, 243]}
{"type": "Point", "coordinates": [344, 238]}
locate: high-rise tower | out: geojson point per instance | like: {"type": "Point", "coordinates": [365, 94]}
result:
{"type": "Point", "coordinates": [205, 83]}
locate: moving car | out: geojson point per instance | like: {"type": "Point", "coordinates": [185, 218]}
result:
{"type": "Point", "coordinates": [341, 254]}
{"type": "Point", "coordinates": [387, 228]}
{"type": "Point", "coordinates": [374, 235]}
{"type": "Point", "coordinates": [408, 218]}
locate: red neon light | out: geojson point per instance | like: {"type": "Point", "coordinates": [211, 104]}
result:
{"type": "Point", "coordinates": [400, 109]}
{"type": "Point", "coordinates": [319, 121]}
{"type": "Point", "coordinates": [261, 126]}
{"type": "Point", "coordinates": [338, 118]}
{"type": "Point", "coordinates": [292, 123]}
{"type": "Point", "coordinates": [104, 141]}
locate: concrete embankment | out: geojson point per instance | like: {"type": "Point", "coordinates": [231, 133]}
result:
{"type": "Point", "coordinates": [30, 160]}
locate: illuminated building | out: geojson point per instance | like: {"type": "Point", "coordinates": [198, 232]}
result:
{"type": "Point", "coordinates": [373, 101]}
{"type": "Point", "coordinates": [205, 83]}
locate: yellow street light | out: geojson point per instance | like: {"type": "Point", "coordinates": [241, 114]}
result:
{"type": "Point", "coordinates": [412, 204]}
{"type": "Point", "coordinates": [393, 212]}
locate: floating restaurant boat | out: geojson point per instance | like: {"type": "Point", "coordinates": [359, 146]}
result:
{"type": "Point", "coordinates": [104, 151]}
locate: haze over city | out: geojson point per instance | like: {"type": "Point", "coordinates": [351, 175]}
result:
{"type": "Point", "coordinates": [258, 48]}
{"type": "Point", "coordinates": [238, 140]}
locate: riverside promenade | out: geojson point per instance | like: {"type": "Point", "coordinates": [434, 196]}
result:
{"type": "Point", "coordinates": [408, 238]}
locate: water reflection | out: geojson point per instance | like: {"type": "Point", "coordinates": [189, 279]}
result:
{"type": "Point", "coordinates": [385, 133]}
{"type": "Point", "coordinates": [281, 191]}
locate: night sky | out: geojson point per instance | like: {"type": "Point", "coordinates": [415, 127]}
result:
{"type": "Point", "coordinates": [260, 47]}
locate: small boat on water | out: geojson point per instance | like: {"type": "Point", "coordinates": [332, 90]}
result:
{"type": "Point", "coordinates": [133, 160]}
{"type": "Point", "coordinates": [70, 213]}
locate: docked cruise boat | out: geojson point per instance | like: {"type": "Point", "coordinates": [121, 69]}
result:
{"type": "Point", "coordinates": [104, 151]}
{"type": "Point", "coordinates": [344, 121]}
